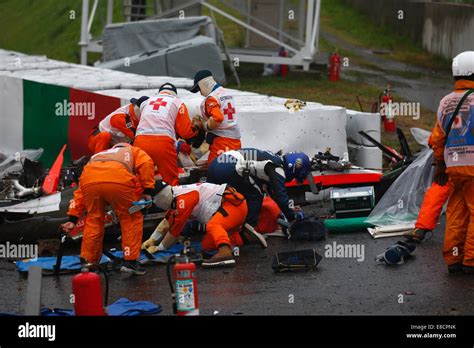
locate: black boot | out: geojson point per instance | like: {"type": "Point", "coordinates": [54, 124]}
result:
{"type": "Point", "coordinates": [468, 269]}
{"type": "Point", "coordinates": [132, 267]}
{"type": "Point", "coordinates": [455, 268]}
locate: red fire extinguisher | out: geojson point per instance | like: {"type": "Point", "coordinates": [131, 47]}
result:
{"type": "Point", "coordinates": [386, 101]}
{"type": "Point", "coordinates": [283, 67]}
{"type": "Point", "coordinates": [334, 66]}
{"type": "Point", "coordinates": [184, 292]}
{"type": "Point", "coordinates": [87, 291]}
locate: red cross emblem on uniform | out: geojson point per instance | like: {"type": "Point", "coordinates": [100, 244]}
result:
{"type": "Point", "coordinates": [159, 102]}
{"type": "Point", "coordinates": [229, 111]}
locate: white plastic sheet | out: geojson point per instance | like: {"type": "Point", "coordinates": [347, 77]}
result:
{"type": "Point", "coordinates": [421, 136]}
{"type": "Point", "coordinates": [402, 201]}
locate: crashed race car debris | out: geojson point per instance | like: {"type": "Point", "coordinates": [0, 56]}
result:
{"type": "Point", "coordinates": [309, 159]}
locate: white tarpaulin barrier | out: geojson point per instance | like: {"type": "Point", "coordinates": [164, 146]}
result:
{"type": "Point", "coordinates": [274, 128]}
{"type": "Point", "coordinates": [42, 69]}
{"type": "Point", "coordinates": [367, 122]}
{"type": "Point", "coordinates": [365, 156]}
{"type": "Point", "coordinates": [267, 124]}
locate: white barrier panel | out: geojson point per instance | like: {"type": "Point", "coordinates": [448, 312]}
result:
{"type": "Point", "coordinates": [367, 122]}
{"type": "Point", "coordinates": [11, 119]}
{"type": "Point", "coordinates": [365, 156]}
{"type": "Point", "coordinates": [269, 126]}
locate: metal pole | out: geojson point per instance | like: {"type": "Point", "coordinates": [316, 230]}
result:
{"type": "Point", "coordinates": [127, 10]}
{"type": "Point", "coordinates": [110, 11]}
{"type": "Point", "coordinates": [266, 25]}
{"type": "Point", "coordinates": [33, 291]}
{"type": "Point", "coordinates": [280, 20]}
{"type": "Point", "coordinates": [247, 33]}
{"type": "Point", "coordinates": [84, 33]}
{"type": "Point", "coordinates": [315, 36]}
{"type": "Point", "coordinates": [301, 21]}
{"type": "Point", "coordinates": [309, 22]}
{"type": "Point", "coordinates": [91, 18]}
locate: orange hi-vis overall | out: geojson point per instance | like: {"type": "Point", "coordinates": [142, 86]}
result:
{"type": "Point", "coordinates": [221, 208]}
{"type": "Point", "coordinates": [117, 127]}
{"type": "Point", "coordinates": [433, 202]}
{"type": "Point", "coordinates": [435, 198]}
{"type": "Point", "coordinates": [220, 106]}
{"type": "Point", "coordinates": [111, 178]}
{"type": "Point", "coordinates": [163, 118]}
{"type": "Point", "coordinates": [457, 151]}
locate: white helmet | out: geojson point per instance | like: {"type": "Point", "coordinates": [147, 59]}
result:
{"type": "Point", "coordinates": [463, 64]}
{"type": "Point", "coordinates": [164, 196]}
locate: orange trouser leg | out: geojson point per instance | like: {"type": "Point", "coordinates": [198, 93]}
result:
{"type": "Point", "coordinates": [219, 226]}
{"type": "Point", "coordinates": [234, 240]}
{"type": "Point", "coordinates": [162, 151]}
{"type": "Point", "coordinates": [435, 198]}
{"type": "Point", "coordinates": [221, 145]}
{"type": "Point", "coordinates": [457, 223]}
{"type": "Point", "coordinates": [121, 197]}
{"type": "Point", "coordinates": [93, 233]}
{"type": "Point", "coordinates": [268, 216]}
{"type": "Point", "coordinates": [99, 142]}
{"type": "Point", "coordinates": [468, 190]}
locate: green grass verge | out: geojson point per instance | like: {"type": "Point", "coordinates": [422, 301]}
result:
{"type": "Point", "coordinates": [305, 86]}
{"type": "Point", "coordinates": [48, 27]}
{"type": "Point", "coordinates": [317, 88]}
{"type": "Point", "coordinates": [355, 27]}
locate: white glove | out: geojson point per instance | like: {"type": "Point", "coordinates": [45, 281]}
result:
{"type": "Point", "coordinates": [150, 242]}
{"type": "Point", "coordinates": [167, 242]}
{"type": "Point", "coordinates": [153, 249]}
{"type": "Point", "coordinates": [161, 229]}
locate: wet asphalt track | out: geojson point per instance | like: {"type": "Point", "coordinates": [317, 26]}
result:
{"type": "Point", "coordinates": [338, 286]}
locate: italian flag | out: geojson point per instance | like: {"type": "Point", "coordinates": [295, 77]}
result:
{"type": "Point", "coordinates": [38, 115]}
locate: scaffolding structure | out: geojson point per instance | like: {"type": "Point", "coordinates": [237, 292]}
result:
{"type": "Point", "coordinates": [301, 50]}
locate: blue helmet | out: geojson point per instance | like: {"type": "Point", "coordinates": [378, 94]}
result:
{"type": "Point", "coordinates": [297, 166]}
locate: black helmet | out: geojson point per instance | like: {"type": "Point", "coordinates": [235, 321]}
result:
{"type": "Point", "coordinates": [138, 101]}
{"type": "Point", "coordinates": [168, 87]}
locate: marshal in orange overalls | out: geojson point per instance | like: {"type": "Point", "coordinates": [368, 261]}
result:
{"type": "Point", "coordinates": [219, 107]}
{"type": "Point", "coordinates": [456, 151]}
{"type": "Point", "coordinates": [227, 220]}
{"type": "Point", "coordinates": [163, 118]}
{"type": "Point", "coordinates": [117, 127]}
{"type": "Point", "coordinates": [111, 178]}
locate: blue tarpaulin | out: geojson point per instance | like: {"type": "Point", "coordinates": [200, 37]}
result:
{"type": "Point", "coordinates": [72, 263]}
{"type": "Point", "coordinates": [121, 307]}
{"type": "Point", "coordinates": [47, 263]}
